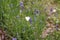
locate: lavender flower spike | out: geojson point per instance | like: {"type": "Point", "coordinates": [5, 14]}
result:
{"type": "Point", "coordinates": [14, 38]}
{"type": "Point", "coordinates": [30, 20]}
{"type": "Point", "coordinates": [21, 4]}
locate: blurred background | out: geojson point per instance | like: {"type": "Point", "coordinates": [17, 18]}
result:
{"type": "Point", "coordinates": [26, 19]}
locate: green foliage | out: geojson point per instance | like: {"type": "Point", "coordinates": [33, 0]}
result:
{"type": "Point", "coordinates": [14, 22]}
{"type": "Point", "coordinates": [57, 1]}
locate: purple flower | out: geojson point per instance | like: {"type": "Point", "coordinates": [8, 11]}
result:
{"type": "Point", "coordinates": [51, 9]}
{"type": "Point", "coordinates": [30, 20]}
{"type": "Point", "coordinates": [21, 4]}
{"type": "Point", "coordinates": [14, 38]}
{"type": "Point", "coordinates": [36, 11]}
